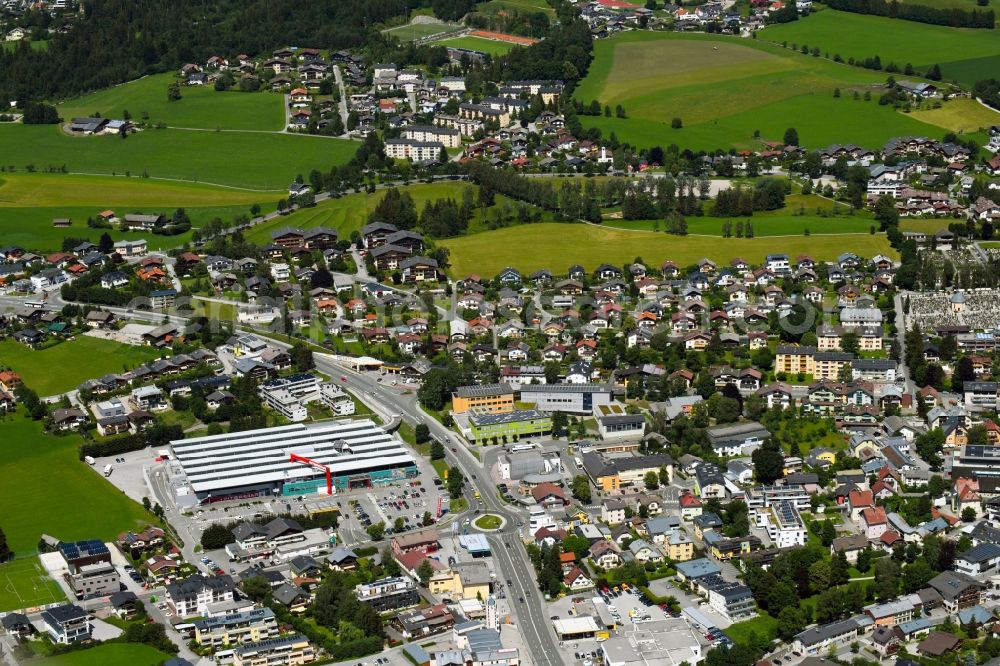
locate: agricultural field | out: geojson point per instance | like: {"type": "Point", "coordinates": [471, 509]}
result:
{"type": "Point", "coordinates": [29, 202]}
{"type": "Point", "coordinates": [38, 45]}
{"type": "Point", "coordinates": [517, 6]}
{"type": "Point", "coordinates": [350, 212]}
{"type": "Point", "coordinates": [133, 654]}
{"type": "Point", "coordinates": [725, 90]}
{"type": "Point", "coordinates": [44, 481]}
{"type": "Point", "coordinates": [959, 115]}
{"type": "Point", "coordinates": [199, 106]}
{"type": "Point", "coordinates": [78, 359]}
{"type": "Point", "coordinates": [252, 160]}
{"type": "Point", "coordinates": [964, 54]}
{"type": "Point", "coordinates": [25, 584]}
{"type": "Point", "coordinates": [413, 31]}
{"type": "Point", "coordinates": [491, 46]}
{"type": "Point", "coordinates": [774, 225]}
{"type": "Point", "coordinates": [555, 246]}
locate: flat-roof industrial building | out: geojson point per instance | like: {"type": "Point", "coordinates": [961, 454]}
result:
{"type": "Point", "coordinates": [358, 454]}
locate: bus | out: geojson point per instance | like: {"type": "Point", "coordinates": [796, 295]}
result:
{"type": "Point", "coordinates": [36, 304]}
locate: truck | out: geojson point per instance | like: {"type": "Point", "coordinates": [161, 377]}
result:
{"type": "Point", "coordinates": [89, 460]}
{"type": "Point", "coordinates": [107, 470]}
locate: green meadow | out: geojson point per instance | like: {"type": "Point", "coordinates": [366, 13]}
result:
{"type": "Point", "coordinates": [726, 90]}
{"type": "Point", "coordinates": [29, 202]}
{"type": "Point", "coordinates": [964, 54]}
{"type": "Point", "coordinates": [47, 489]}
{"type": "Point", "coordinates": [199, 106]}
{"type": "Point", "coordinates": [252, 160]}
{"type": "Point", "coordinates": [109, 654]}
{"type": "Point", "coordinates": [413, 31]}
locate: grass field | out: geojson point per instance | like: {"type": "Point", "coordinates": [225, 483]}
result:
{"type": "Point", "coordinates": [964, 54]}
{"type": "Point", "coordinates": [725, 90]}
{"type": "Point", "coordinates": [199, 106]}
{"type": "Point", "coordinates": [554, 246]}
{"type": "Point", "coordinates": [37, 45]}
{"type": "Point", "coordinates": [254, 160]}
{"type": "Point", "coordinates": [775, 225]}
{"type": "Point", "coordinates": [24, 584]}
{"type": "Point", "coordinates": [29, 202]}
{"type": "Point", "coordinates": [488, 522]}
{"type": "Point", "coordinates": [350, 213]}
{"type": "Point", "coordinates": [64, 366]}
{"type": "Point", "coordinates": [959, 115]}
{"type": "Point", "coordinates": [48, 490]}
{"type": "Point", "coordinates": [109, 654]}
{"type": "Point", "coordinates": [490, 46]}
{"type": "Point", "coordinates": [763, 626]}
{"type": "Point", "coordinates": [412, 31]}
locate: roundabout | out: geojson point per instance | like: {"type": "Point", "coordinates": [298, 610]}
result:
{"type": "Point", "coordinates": [489, 522]}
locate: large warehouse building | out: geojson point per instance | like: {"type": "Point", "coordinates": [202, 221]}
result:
{"type": "Point", "coordinates": [358, 454]}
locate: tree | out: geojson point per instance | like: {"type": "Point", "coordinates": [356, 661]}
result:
{"type": "Point", "coordinates": [791, 621]}
{"type": "Point", "coordinates": [106, 243]}
{"type": "Point", "coordinates": [820, 576]}
{"type": "Point", "coordinates": [217, 536]}
{"type": "Point", "coordinates": [421, 433]}
{"type": "Point", "coordinates": [302, 357]}
{"type": "Point", "coordinates": [4, 547]}
{"type": "Point", "coordinates": [651, 480]}
{"type": "Point", "coordinates": [456, 482]}
{"type": "Point", "coordinates": [174, 92]}
{"type": "Point", "coordinates": [425, 571]}
{"type": "Point", "coordinates": [829, 533]}
{"type": "Point", "coordinates": [256, 588]}
{"type": "Point", "coordinates": [581, 488]}
{"type": "Point", "coordinates": [768, 462]}
{"type": "Point", "coordinates": [560, 421]}
{"type": "Point", "coordinates": [791, 137]}
{"type": "Point", "coordinates": [968, 514]}
{"type": "Point", "coordinates": [781, 596]}
{"type": "Point", "coordinates": [437, 450]}
{"type": "Point", "coordinates": [676, 123]}
{"type": "Point", "coordinates": [376, 531]}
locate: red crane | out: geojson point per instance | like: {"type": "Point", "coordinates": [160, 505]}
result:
{"type": "Point", "coordinates": [294, 457]}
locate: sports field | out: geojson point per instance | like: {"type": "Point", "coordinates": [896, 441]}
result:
{"type": "Point", "coordinates": [960, 115]}
{"type": "Point", "coordinates": [199, 106]}
{"type": "Point", "coordinates": [253, 160]}
{"type": "Point", "coordinates": [491, 46]}
{"type": "Point", "coordinates": [964, 54]}
{"type": "Point", "coordinates": [554, 246]}
{"type": "Point", "coordinates": [109, 654]}
{"type": "Point", "coordinates": [412, 31]}
{"type": "Point", "coordinates": [517, 6]}
{"type": "Point", "coordinates": [29, 202]}
{"type": "Point", "coordinates": [726, 89]}
{"type": "Point", "coordinates": [64, 366]}
{"type": "Point", "coordinates": [24, 584]}
{"type": "Point", "coordinates": [48, 490]}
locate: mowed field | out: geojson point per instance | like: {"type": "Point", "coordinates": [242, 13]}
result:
{"type": "Point", "coordinates": [960, 115]}
{"type": "Point", "coordinates": [964, 54]}
{"type": "Point", "coordinates": [252, 160]}
{"type": "Point", "coordinates": [554, 246]}
{"type": "Point", "coordinates": [29, 202]}
{"type": "Point", "coordinates": [490, 46]}
{"type": "Point", "coordinates": [64, 366]}
{"type": "Point", "coordinates": [412, 31]}
{"type": "Point", "coordinates": [199, 106]}
{"type": "Point", "coordinates": [517, 6]}
{"type": "Point", "coordinates": [48, 490]}
{"type": "Point", "coordinates": [726, 89]}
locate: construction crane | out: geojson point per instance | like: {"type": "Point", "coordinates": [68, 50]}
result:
{"type": "Point", "coordinates": [295, 458]}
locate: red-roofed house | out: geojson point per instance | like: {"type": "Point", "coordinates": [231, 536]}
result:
{"type": "Point", "coordinates": [874, 522]}
{"type": "Point", "coordinates": [967, 495]}
{"type": "Point", "coordinates": [690, 506]}
{"type": "Point", "coordinates": [858, 501]}
{"type": "Point", "coordinates": [548, 495]}
{"type": "Point", "coordinates": [568, 561]}
{"type": "Point", "coordinates": [577, 580]}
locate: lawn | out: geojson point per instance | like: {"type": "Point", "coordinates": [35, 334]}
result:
{"type": "Point", "coordinates": [964, 54]}
{"type": "Point", "coordinates": [929, 225]}
{"type": "Point", "coordinates": [199, 106]}
{"type": "Point", "coordinates": [554, 246]}
{"type": "Point", "coordinates": [133, 654]}
{"type": "Point", "coordinates": [763, 626]}
{"type": "Point", "coordinates": [517, 6]}
{"type": "Point", "coordinates": [64, 366]}
{"type": "Point", "coordinates": [24, 584]}
{"type": "Point", "coordinates": [488, 522]}
{"type": "Point", "coordinates": [725, 90]}
{"type": "Point", "coordinates": [959, 115]}
{"type": "Point", "coordinates": [490, 46]}
{"type": "Point", "coordinates": [48, 490]}
{"type": "Point", "coordinates": [252, 160]}
{"type": "Point", "coordinates": [29, 202]}
{"type": "Point", "coordinates": [413, 31]}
